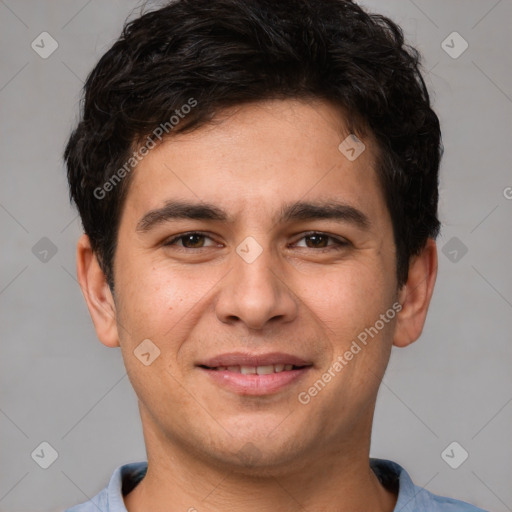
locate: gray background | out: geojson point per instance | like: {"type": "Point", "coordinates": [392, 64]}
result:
{"type": "Point", "coordinates": [60, 385]}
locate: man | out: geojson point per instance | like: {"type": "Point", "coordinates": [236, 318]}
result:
{"type": "Point", "coordinates": [257, 183]}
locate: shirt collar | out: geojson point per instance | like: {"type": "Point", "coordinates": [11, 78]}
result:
{"type": "Point", "coordinates": [391, 475]}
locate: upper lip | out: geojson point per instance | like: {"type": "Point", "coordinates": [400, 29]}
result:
{"type": "Point", "coordinates": [245, 359]}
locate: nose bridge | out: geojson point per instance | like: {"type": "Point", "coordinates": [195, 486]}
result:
{"type": "Point", "coordinates": [253, 292]}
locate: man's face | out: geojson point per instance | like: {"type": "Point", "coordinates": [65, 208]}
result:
{"type": "Point", "coordinates": [255, 283]}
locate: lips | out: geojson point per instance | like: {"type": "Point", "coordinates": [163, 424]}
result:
{"type": "Point", "coordinates": [240, 359]}
{"type": "Point", "coordinates": [255, 374]}
{"type": "Point", "coordinates": [259, 370]}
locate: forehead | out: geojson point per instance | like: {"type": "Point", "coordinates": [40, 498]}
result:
{"type": "Point", "coordinates": [257, 157]}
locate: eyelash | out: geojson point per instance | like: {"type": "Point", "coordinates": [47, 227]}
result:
{"type": "Point", "coordinates": [339, 243]}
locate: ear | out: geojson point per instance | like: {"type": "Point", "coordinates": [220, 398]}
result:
{"type": "Point", "coordinates": [97, 293]}
{"type": "Point", "coordinates": [415, 295]}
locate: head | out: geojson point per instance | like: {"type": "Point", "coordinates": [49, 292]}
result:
{"type": "Point", "coordinates": [236, 121]}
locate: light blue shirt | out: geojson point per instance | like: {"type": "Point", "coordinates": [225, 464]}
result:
{"type": "Point", "coordinates": [411, 498]}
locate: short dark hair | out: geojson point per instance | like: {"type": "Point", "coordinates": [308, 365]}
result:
{"type": "Point", "coordinates": [211, 55]}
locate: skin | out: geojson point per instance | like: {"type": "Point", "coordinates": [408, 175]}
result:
{"type": "Point", "coordinates": [199, 300]}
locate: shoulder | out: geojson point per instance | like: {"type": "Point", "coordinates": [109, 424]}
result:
{"type": "Point", "coordinates": [110, 499]}
{"type": "Point", "coordinates": [412, 498]}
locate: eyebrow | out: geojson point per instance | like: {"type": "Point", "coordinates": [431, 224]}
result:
{"type": "Point", "coordinates": [300, 210]}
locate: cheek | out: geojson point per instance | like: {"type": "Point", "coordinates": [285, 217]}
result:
{"type": "Point", "coordinates": [350, 306]}
{"type": "Point", "coordinates": [149, 300]}
{"type": "Point", "coordinates": [351, 298]}
{"type": "Point", "coordinates": [162, 303]}
{"type": "Point", "coordinates": [152, 319]}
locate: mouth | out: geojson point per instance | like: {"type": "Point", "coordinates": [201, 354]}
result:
{"type": "Point", "coordinates": [256, 375]}
{"type": "Point", "coordinates": [256, 370]}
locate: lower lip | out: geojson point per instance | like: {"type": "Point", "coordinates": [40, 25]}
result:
{"type": "Point", "coordinates": [254, 384]}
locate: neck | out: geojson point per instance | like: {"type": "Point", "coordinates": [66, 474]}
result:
{"type": "Point", "coordinates": [338, 479]}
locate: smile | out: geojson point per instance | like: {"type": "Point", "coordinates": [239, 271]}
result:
{"type": "Point", "coordinates": [256, 380]}
{"type": "Point", "coordinates": [259, 370]}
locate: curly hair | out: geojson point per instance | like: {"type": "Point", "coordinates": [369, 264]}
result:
{"type": "Point", "coordinates": [230, 52]}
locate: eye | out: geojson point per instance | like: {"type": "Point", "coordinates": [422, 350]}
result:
{"type": "Point", "coordinates": [313, 240]}
{"type": "Point", "coordinates": [320, 241]}
{"type": "Point", "coordinates": [191, 240]}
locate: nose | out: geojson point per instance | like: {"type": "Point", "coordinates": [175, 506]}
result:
{"type": "Point", "coordinates": [256, 294]}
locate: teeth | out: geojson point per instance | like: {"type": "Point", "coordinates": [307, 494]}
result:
{"type": "Point", "coordinates": [259, 370]}
{"type": "Point", "coordinates": [265, 370]}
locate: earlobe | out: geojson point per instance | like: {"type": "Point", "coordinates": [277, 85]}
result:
{"type": "Point", "coordinates": [415, 295]}
{"type": "Point", "coordinates": [97, 294]}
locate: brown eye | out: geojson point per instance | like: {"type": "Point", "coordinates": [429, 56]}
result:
{"type": "Point", "coordinates": [321, 241]}
{"type": "Point", "coordinates": [191, 240]}
{"type": "Point", "coordinates": [317, 241]}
